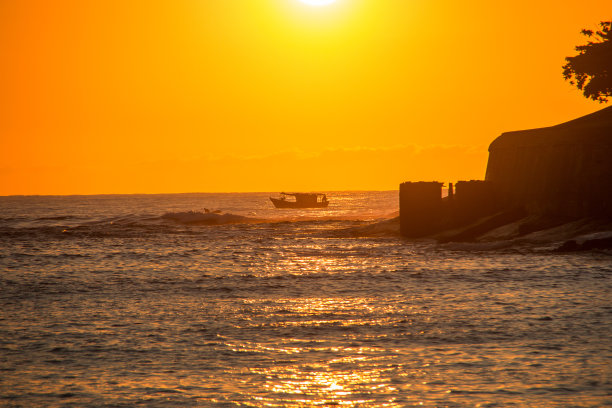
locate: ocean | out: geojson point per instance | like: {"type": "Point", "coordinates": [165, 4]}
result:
{"type": "Point", "coordinates": [151, 301]}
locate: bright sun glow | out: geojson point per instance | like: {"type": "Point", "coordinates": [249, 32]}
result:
{"type": "Point", "coordinates": [318, 2]}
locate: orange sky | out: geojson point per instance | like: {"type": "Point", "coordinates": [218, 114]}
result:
{"type": "Point", "coordinates": [155, 96]}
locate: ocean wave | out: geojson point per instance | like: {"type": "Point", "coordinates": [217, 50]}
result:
{"type": "Point", "coordinates": [134, 224]}
{"type": "Point", "coordinates": [208, 218]}
{"type": "Point", "coordinates": [382, 228]}
{"type": "Point", "coordinates": [58, 218]}
{"type": "Point", "coordinates": [219, 218]}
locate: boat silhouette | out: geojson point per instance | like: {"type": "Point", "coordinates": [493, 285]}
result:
{"type": "Point", "coordinates": [300, 200]}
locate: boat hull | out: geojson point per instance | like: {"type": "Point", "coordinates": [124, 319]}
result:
{"type": "Point", "coordinates": [278, 203]}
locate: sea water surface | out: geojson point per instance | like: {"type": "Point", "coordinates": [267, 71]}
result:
{"type": "Point", "coordinates": [148, 300]}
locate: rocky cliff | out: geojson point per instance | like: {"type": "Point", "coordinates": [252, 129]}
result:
{"type": "Point", "coordinates": [563, 170]}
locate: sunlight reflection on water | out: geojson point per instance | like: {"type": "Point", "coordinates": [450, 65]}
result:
{"type": "Point", "coordinates": [288, 315]}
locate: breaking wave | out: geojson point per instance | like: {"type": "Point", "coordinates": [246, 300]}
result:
{"type": "Point", "coordinates": [208, 218]}
{"type": "Point", "coordinates": [188, 222]}
{"type": "Point", "coordinates": [580, 235]}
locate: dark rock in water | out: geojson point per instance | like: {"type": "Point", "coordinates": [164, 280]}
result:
{"type": "Point", "coordinates": [569, 246]}
{"type": "Point", "coordinates": [602, 243]}
{"type": "Point", "coordinates": [588, 245]}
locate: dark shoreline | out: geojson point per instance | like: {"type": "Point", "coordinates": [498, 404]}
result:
{"type": "Point", "coordinates": [562, 233]}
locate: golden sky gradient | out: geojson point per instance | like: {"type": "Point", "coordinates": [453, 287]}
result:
{"type": "Point", "coordinates": [155, 96]}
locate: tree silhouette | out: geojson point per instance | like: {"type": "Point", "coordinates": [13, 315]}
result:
{"type": "Point", "coordinates": [591, 69]}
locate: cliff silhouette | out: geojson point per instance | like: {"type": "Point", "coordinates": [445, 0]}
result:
{"type": "Point", "coordinates": [555, 178]}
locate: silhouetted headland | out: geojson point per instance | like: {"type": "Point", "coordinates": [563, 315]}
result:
{"type": "Point", "coordinates": [536, 180]}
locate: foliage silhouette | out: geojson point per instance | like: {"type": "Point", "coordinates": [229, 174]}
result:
{"type": "Point", "coordinates": [591, 69]}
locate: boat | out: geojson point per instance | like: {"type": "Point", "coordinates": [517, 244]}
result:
{"type": "Point", "coordinates": [300, 200]}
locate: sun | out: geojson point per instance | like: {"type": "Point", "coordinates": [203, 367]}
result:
{"type": "Point", "coordinates": [318, 2]}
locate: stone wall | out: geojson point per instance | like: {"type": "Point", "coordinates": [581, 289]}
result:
{"type": "Point", "coordinates": [562, 170]}
{"type": "Point", "coordinates": [420, 208]}
{"type": "Point", "coordinates": [424, 212]}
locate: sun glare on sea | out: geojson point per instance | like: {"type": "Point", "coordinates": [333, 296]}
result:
{"type": "Point", "coordinates": [318, 2]}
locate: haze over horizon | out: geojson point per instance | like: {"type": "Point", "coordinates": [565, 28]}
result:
{"type": "Point", "coordinates": [257, 95]}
